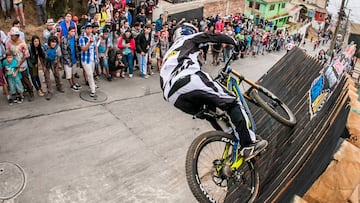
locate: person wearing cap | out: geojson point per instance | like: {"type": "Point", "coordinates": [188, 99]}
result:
{"type": "Point", "coordinates": [41, 11]}
{"type": "Point", "coordinates": [21, 53]}
{"type": "Point", "coordinates": [95, 34]}
{"type": "Point", "coordinates": [49, 31]}
{"type": "Point", "coordinates": [17, 24]}
{"type": "Point", "coordinates": [88, 56]}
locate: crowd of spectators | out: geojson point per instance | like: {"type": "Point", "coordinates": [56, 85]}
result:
{"type": "Point", "coordinates": [115, 39]}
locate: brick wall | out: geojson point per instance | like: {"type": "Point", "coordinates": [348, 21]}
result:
{"type": "Point", "coordinates": [220, 6]}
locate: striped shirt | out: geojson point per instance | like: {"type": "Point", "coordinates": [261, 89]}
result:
{"type": "Point", "coordinates": [90, 54]}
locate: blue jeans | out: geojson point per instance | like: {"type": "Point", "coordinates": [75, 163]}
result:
{"type": "Point", "coordinates": [129, 61]}
{"type": "Point", "coordinates": [15, 85]}
{"type": "Point", "coordinates": [142, 60]}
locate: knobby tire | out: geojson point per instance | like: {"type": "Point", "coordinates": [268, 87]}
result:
{"type": "Point", "coordinates": [191, 167]}
{"type": "Point", "coordinates": [290, 121]}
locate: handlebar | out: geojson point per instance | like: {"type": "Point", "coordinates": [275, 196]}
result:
{"type": "Point", "coordinates": [224, 72]}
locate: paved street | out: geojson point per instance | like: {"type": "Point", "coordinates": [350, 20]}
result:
{"type": "Point", "coordinates": [130, 148]}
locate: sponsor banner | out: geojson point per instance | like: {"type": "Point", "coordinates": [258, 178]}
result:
{"type": "Point", "coordinates": [323, 86]}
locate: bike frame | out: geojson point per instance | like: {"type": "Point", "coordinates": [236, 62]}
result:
{"type": "Point", "coordinates": [233, 85]}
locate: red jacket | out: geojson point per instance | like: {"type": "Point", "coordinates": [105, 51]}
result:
{"type": "Point", "coordinates": [132, 44]}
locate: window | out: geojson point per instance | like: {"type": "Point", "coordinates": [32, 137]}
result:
{"type": "Point", "coordinates": [257, 6]}
{"type": "Point", "coordinates": [250, 4]}
{"type": "Point", "coordinates": [283, 5]}
{"type": "Point", "coordinates": [272, 7]}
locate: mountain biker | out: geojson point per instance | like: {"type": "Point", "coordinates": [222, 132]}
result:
{"type": "Point", "coordinates": [188, 88]}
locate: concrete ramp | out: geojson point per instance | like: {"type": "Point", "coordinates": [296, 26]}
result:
{"type": "Point", "coordinates": [297, 156]}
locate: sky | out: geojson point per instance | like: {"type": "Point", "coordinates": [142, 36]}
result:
{"type": "Point", "coordinates": [354, 5]}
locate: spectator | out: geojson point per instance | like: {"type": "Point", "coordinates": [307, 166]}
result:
{"type": "Point", "coordinates": [126, 44]}
{"type": "Point", "coordinates": [142, 48]}
{"type": "Point", "coordinates": [21, 53]}
{"type": "Point", "coordinates": [66, 24]}
{"type": "Point", "coordinates": [52, 63]}
{"type": "Point", "coordinates": [103, 46]}
{"type": "Point", "coordinates": [103, 16]}
{"type": "Point", "coordinates": [19, 10]}
{"type": "Point", "coordinates": [92, 8]}
{"type": "Point", "coordinates": [50, 30]}
{"type": "Point", "coordinates": [3, 82]}
{"type": "Point", "coordinates": [163, 48]}
{"type": "Point", "coordinates": [119, 5]}
{"type": "Point", "coordinates": [6, 7]}
{"type": "Point", "coordinates": [88, 56]}
{"type": "Point", "coordinates": [68, 51]}
{"type": "Point", "coordinates": [109, 9]}
{"type": "Point", "coordinates": [37, 55]}
{"type": "Point", "coordinates": [128, 15]}
{"type": "Point", "coordinates": [13, 76]}
{"type": "Point", "coordinates": [41, 11]}
{"type": "Point", "coordinates": [159, 23]}
{"type": "Point", "coordinates": [322, 56]}
{"type": "Point", "coordinates": [141, 17]}
{"type": "Point", "coordinates": [289, 46]}
{"type": "Point", "coordinates": [136, 30]}
{"type": "Point", "coordinates": [142, 6]}
{"type": "Point", "coordinates": [117, 64]}
{"type": "Point", "coordinates": [16, 23]}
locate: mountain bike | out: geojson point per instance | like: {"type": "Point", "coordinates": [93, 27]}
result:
{"type": "Point", "coordinates": [213, 163]}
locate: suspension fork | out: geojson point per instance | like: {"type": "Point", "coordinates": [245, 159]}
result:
{"type": "Point", "coordinates": [234, 85]}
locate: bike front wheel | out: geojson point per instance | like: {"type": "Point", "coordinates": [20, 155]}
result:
{"type": "Point", "coordinates": [273, 105]}
{"type": "Point", "coordinates": [205, 167]}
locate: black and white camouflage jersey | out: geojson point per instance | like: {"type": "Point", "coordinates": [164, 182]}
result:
{"type": "Point", "coordinates": [182, 59]}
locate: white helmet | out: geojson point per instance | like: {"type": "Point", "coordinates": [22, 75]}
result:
{"type": "Point", "coordinates": [183, 30]}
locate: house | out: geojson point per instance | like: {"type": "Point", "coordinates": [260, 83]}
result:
{"type": "Point", "coordinates": [313, 11]}
{"type": "Point", "coordinates": [272, 11]}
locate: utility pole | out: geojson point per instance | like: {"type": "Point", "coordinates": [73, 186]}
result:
{"type": "Point", "coordinates": [340, 14]}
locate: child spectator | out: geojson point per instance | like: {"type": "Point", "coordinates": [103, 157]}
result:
{"type": "Point", "coordinates": [21, 52]}
{"type": "Point", "coordinates": [13, 76]}
{"type": "Point", "coordinates": [103, 46]}
{"type": "Point", "coordinates": [52, 62]}
{"type": "Point", "coordinates": [4, 84]}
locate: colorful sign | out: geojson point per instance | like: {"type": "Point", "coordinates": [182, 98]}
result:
{"type": "Point", "coordinates": [323, 86]}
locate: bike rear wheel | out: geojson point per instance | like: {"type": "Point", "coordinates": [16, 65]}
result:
{"type": "Point", "coordinates": [273, 105]}
{"type": "Point", "coordinates": [203, 160]}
